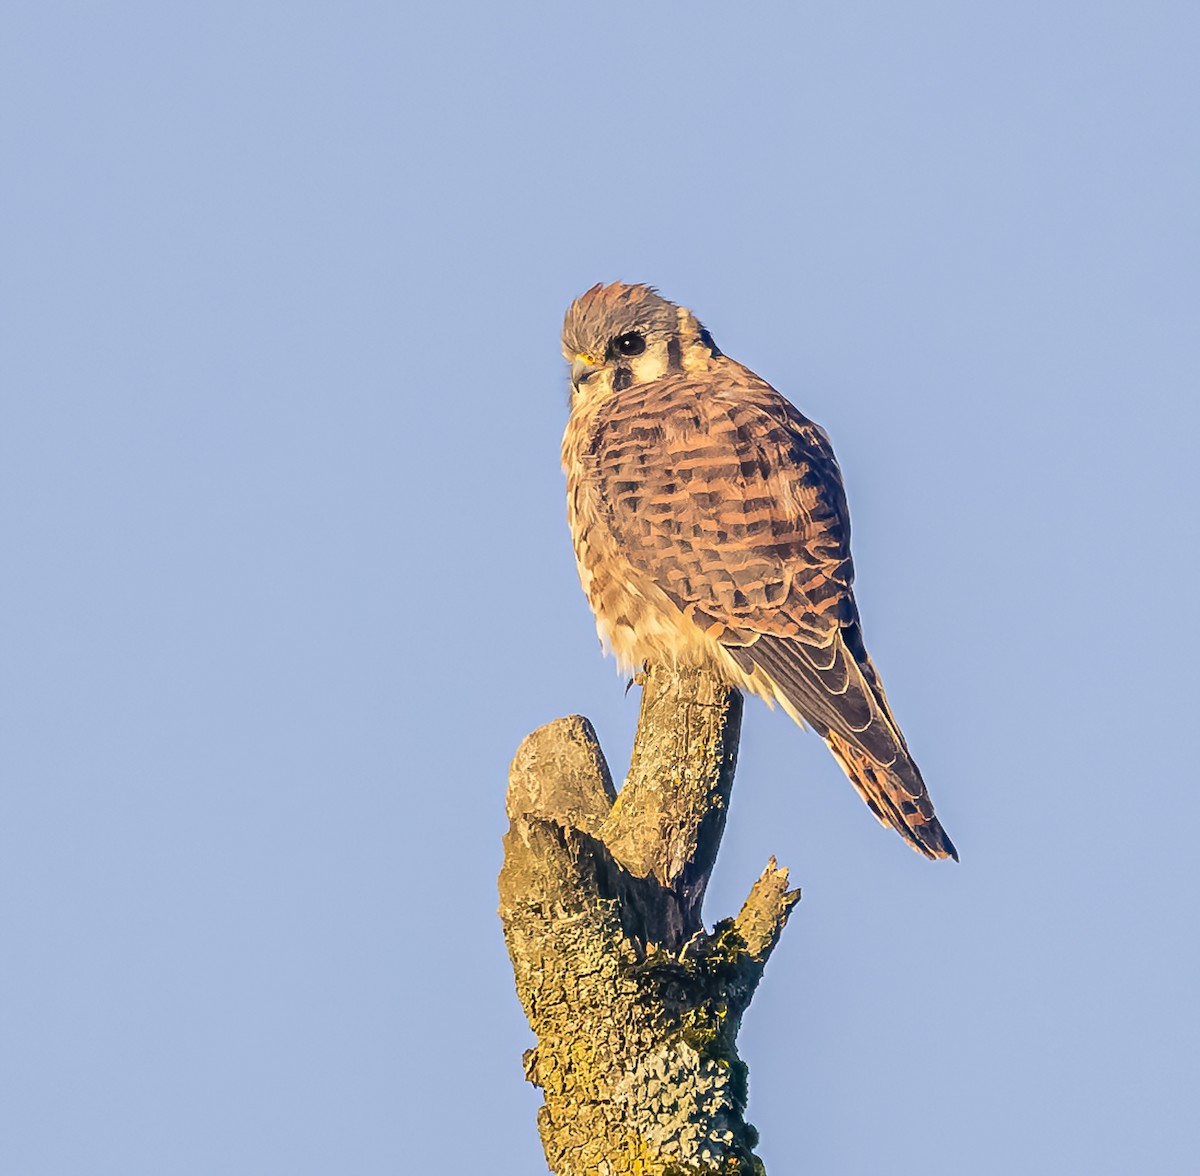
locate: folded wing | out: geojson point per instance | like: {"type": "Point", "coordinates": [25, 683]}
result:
{"type": "Point", "coordinates": [731, 501]}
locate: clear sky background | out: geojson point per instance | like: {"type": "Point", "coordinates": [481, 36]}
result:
{"type": "Point", "coordinates": [287, 577]}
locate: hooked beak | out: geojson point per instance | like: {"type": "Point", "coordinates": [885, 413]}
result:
{"type": "Point", "coordinates": [583, 368]}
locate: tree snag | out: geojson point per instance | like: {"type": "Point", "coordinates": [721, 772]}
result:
{"type": "Point", "coordinates": [636, 1008]}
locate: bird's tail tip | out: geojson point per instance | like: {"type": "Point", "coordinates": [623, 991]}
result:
{"type": "Point", "coordinates": [935, 841]}
{"type": "Point", "coordinates": [897, 796]}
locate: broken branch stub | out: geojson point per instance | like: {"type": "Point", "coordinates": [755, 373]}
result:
{"type": "Point", "coordinates": [635, 1007]}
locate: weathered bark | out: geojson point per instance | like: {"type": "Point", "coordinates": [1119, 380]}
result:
{"type": "Point", "coordinates": [636, 1009]}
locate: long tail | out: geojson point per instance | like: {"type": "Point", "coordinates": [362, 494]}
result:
{"type": "Point", "coordinates": [837, 692]}
{"type": "Point", "coordinates": [896, 795]}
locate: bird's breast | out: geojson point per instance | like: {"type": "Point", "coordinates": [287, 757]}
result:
{"type": "Point", "coordinates": [635, 619]}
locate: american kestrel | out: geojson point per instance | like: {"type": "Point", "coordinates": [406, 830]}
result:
{"type": "Point", "coordinates": [711, 529]}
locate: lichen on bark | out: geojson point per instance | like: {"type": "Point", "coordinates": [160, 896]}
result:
{"type": "Point", "coordinates": [635, 1006]}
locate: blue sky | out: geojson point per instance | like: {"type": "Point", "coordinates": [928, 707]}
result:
{"type": "Point", "coordinates": [288, 577]}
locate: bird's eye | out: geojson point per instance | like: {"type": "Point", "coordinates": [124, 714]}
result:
{"type": "Point", "coordinates": [631, 344]}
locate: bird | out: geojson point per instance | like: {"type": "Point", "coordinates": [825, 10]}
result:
{"type": "Point", "coordinates": [710, 528]}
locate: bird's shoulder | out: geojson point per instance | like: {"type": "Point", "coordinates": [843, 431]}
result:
{"type": "Point", "coordinates": [723, 425]}
{"type": "Point", "coordinates": [729, 499]}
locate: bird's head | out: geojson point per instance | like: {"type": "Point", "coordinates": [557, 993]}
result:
{"type": "Point", "coordinates": [617, 336]}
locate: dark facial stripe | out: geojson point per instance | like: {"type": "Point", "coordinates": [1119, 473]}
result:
{"type": "Point", "coordinates": [622, 378]}
{"type": "Point", "coordinates": [674, 354]}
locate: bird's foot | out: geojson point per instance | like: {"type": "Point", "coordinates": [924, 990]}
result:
{"type": "Point", "coordinates": [638, 679]}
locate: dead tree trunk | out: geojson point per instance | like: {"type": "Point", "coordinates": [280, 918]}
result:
{"type": "Point", "coordinates": [636, 1008]}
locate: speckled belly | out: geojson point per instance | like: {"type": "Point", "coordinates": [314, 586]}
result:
{"type": "Point", "coordinates": [636, 620]}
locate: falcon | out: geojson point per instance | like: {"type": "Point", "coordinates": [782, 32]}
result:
{"type": "Point", "coordinates": [711, 529]}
